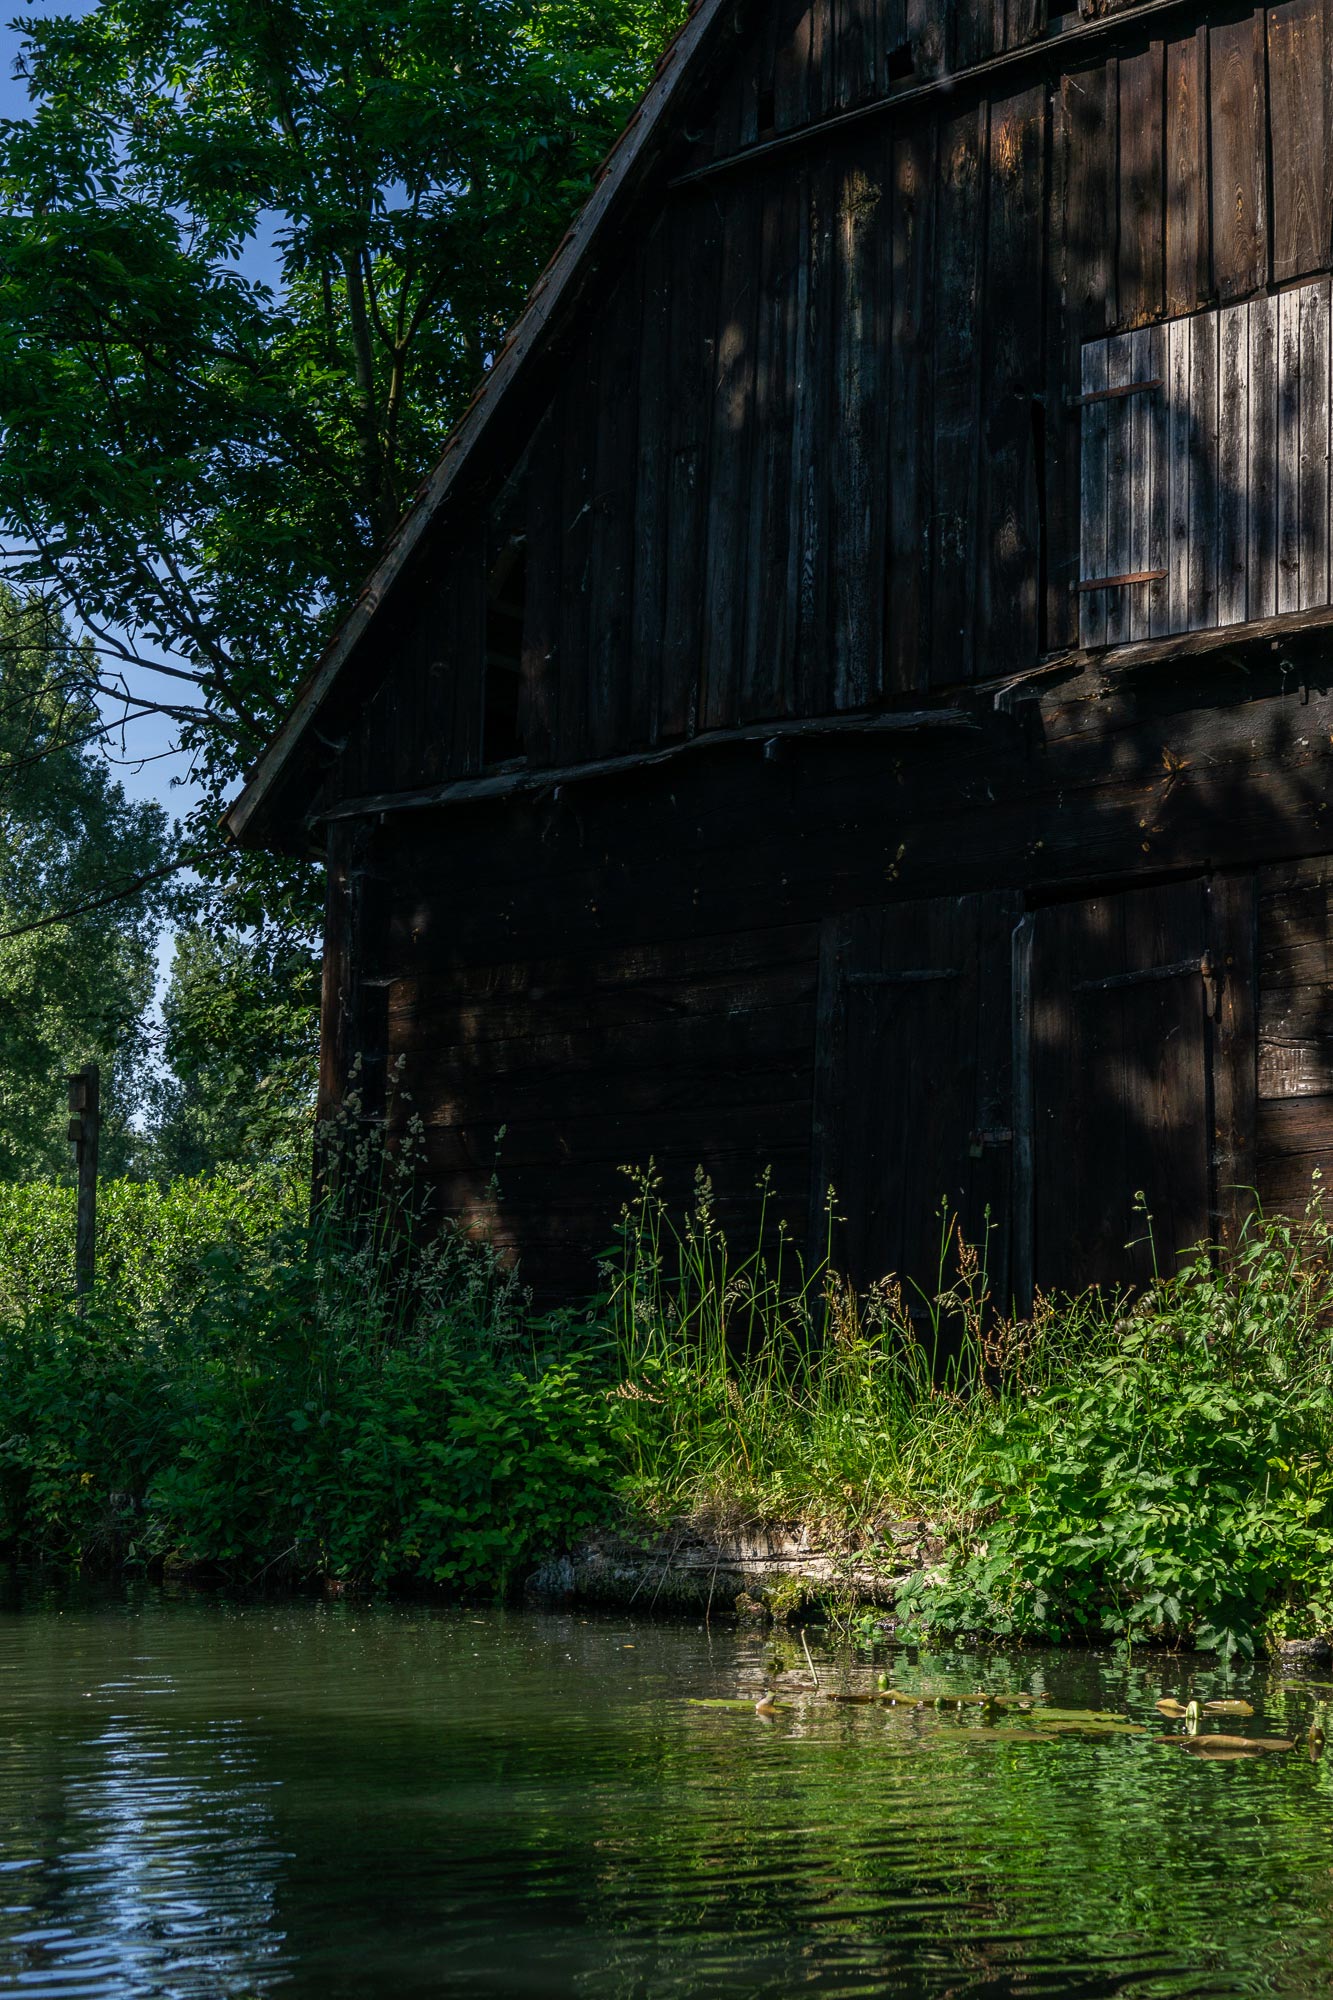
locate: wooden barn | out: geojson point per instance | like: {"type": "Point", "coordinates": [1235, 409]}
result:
{"type": "Point", "coordinates": [855, 698]}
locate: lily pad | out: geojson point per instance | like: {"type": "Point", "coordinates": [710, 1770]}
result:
{"type": "Point", "coordinates": [1227, 1707]}
{"type": "Point", "coordinates": [736, 1707]}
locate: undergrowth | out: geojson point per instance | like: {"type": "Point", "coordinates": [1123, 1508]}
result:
{"type": "Point", "coordinates": [1156, 1469]}
{"type": "Point", "coordinates": [345, 1398]}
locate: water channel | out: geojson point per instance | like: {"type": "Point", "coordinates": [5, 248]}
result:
{"type": "Point", "coordinates": [224, 1801]}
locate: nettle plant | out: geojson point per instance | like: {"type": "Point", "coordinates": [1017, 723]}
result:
{"type": "Point", "coordinates": [1173, 1482]}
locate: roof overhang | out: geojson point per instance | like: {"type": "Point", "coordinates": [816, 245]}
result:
{"type": "Point", "coordinates": [254, 819]}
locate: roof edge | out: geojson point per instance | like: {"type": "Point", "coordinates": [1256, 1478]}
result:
{"type": "Point", "coordinates": [245, 818]}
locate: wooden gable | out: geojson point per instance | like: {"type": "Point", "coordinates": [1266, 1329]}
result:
{"type": "Point", "coordinates": [812, 446]}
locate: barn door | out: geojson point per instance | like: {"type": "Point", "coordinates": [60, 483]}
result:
{"type": "Point", "coordinates": [1139, 1050]}
{"type": "Point", "coordinates": [913, 1076]}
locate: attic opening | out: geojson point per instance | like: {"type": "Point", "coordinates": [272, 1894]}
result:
{"type": "Point", "coordinates": [502, 688]}
{"type": "Point", "coordinates": [902, 63]}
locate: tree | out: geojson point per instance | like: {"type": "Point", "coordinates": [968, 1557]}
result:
{"type": "Point", "coordinates": [240, 1042]}
{"type": "Point", "coordinates": [74, 988]}
{"type": "Point", "coordinates": [254, 255]}
{"type": "Point", "coordinates": [199, 459]}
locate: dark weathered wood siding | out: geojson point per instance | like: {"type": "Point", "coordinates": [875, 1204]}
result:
{"type": "Point", "coordinates": [1018, 931]}
{"type": "Point", "coordinates": [703, 965]}
{"type": "Point", "coordinates": [815, 449]}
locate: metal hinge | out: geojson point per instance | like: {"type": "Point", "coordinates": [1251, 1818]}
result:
{"type": "Point", "coordinates": [1117, 582]}
{"type": "Point", "coordinates": [1111, 395]}
{"type": "Point", "coordinates": [1181, 969]}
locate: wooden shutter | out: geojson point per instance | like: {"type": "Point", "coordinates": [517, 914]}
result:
{"type": "Point", "coordinates": [1141, 1062]}
{"type": "Point", "coordinates": [913, 1087]}
{"type": "Point", "coordinates": [1205, 470]}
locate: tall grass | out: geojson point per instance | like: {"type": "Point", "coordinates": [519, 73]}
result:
{"type": "Point", "coordinates": [1153, 1467]}
{"type": "Point", "coordinates": [755, 1384]}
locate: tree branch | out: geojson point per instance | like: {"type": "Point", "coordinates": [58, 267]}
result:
{"type": "Point", "coordinates": [121, 895]}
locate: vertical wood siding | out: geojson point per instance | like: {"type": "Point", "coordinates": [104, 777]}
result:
{"type": "Point", "coordinates": [1214, 469]}
{"type": "Point", "coordinates": [816, 446]}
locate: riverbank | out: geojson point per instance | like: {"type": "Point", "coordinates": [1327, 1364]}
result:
{"type": "Point", "coordinates": [728, 1435]}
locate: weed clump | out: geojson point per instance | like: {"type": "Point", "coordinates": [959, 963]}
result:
{"type": "Point", "coordinates": [1158, 1469]}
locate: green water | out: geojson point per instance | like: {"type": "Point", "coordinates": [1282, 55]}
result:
{"type": "Point", "coordinates": [208, 1800]}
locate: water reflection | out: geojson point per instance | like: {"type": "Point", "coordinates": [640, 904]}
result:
{"type": "Point", "coordinates": [139, 1856]}
{"type": "Point", "coordinates": [203, 1800]}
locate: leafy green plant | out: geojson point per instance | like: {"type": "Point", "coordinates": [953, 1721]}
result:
{"type": "Point", "coordinates": [1174, 1482]}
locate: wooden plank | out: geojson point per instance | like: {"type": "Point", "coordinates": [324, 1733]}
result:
{"type": "Point", "coordinates": [1238, 123]}
{"type": "Point", "coordinates": [335, 1055]}
{"type": "Point", "coordinates": [1120, 414]}
{"type": "Point", "coordinates": [651, 494]}
{"type": "Point", "coordinates": [1022, 1233]}
{"type": "Point", "coordinates": [808, 581]}
{"type": "Point", "coordinates": [1141, 409]}
{"type": "Point", "coordinates": [1158, 449]}
{"type": "Point", "coordinates": [1314, 443]}
{"type": "Point", "coordinates": [1084, 156]}
{"type": "Point", "coordinates": [611, 556]}
{"type": "Point", "coordinates": [1094, 560]}
{"type": "Point", "coordinates": [974, 32]}
{"type": "Point", "coordinates": [1203, 472]}
{"type": "Point", "coordinates": [821, 61]}
{"type": "Point", "coordinates": [1142, 240]}
{"type": "Point", "coordinates": [1186, 194]}
{"type": "Point", "coordinates": [1177, 473]}
{"type": "Point", "coordinates": [578, 394]}
{"type": "Point", "coordinates": [1025, 21]}
{"type": "Point", "coordinates": [1262, 482]}
{"type": "Point", "coordinates": [1010, 488]}
{"type": "Point", "coordinates": [429, 1017]}
{"type": "Point", "coordinates": [858, 58]}
{"type": "Point", "coordinates": [957, 390]}
{"type": "Point", "coordinates": [541, 610]}
{"type": "Point", "coordinates": [1290, 1127]}
{"type": "Point", "coordinates": [770, 636]}
{"type": "Point", "coordinates": [791, 67]}
{"type": "Point", "coordinates": [828, 1130]}
{"type": "Point", "coordinates": [467, 637]}
{"type": "Point", "coordinates": [696, 251]}
{"type": "Point", "coordinates": [911, 412]}
{"type": "Point", "coordinates": [1289, 452]}
{"type": "Point", "coordinates": [733, 434]}
{"type": "Point", "coordinates": [1233, 942]}
{"type": "Point", "coordinates": [914, 1098]}
{"type": "Point", "coordinates": [858, 441]}
{"type": "Point", "coordinates": [1233, 430]}
{"type": "Point", "coordinates": [1298, 135]}
{"type": "Point", "coordinates": [929, 26]}
{"type": "Point", "coordinates": [1120, 1081]}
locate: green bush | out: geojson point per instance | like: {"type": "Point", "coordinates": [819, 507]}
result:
{"type": "Point", "coordinates": [299, 1402]}
{"type": "Point", "coordinates": [271, 1397]}
{"type": "Point", "coordinates": [1173, 1479]}
{"type": "Point", "coordinates": [302, 1415]}
{"type": "Point", "coordinates": [154, 1241]}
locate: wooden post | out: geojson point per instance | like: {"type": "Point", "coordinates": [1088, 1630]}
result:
{"type": "Point", "coordinates": [85, 1129]}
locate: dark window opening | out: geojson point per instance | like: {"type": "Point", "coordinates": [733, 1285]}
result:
{"type": "Point", "coordinates": [767, 113]}
{"type": "Point", "coordinates": [902, 63]}
{"type": "Point", "coordinates": [502, 704]}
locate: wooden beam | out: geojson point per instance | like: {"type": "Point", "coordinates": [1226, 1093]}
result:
{"type": "Point", "coordinates": [1083, 35]}
{"type": "Point", "coordinates": [514, 784]}
{"type": "Point", "coordinates": [85, 1131]}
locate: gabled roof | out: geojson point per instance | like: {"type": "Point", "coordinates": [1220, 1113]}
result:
{"type": "Point", "coordinates": [619, 179]}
